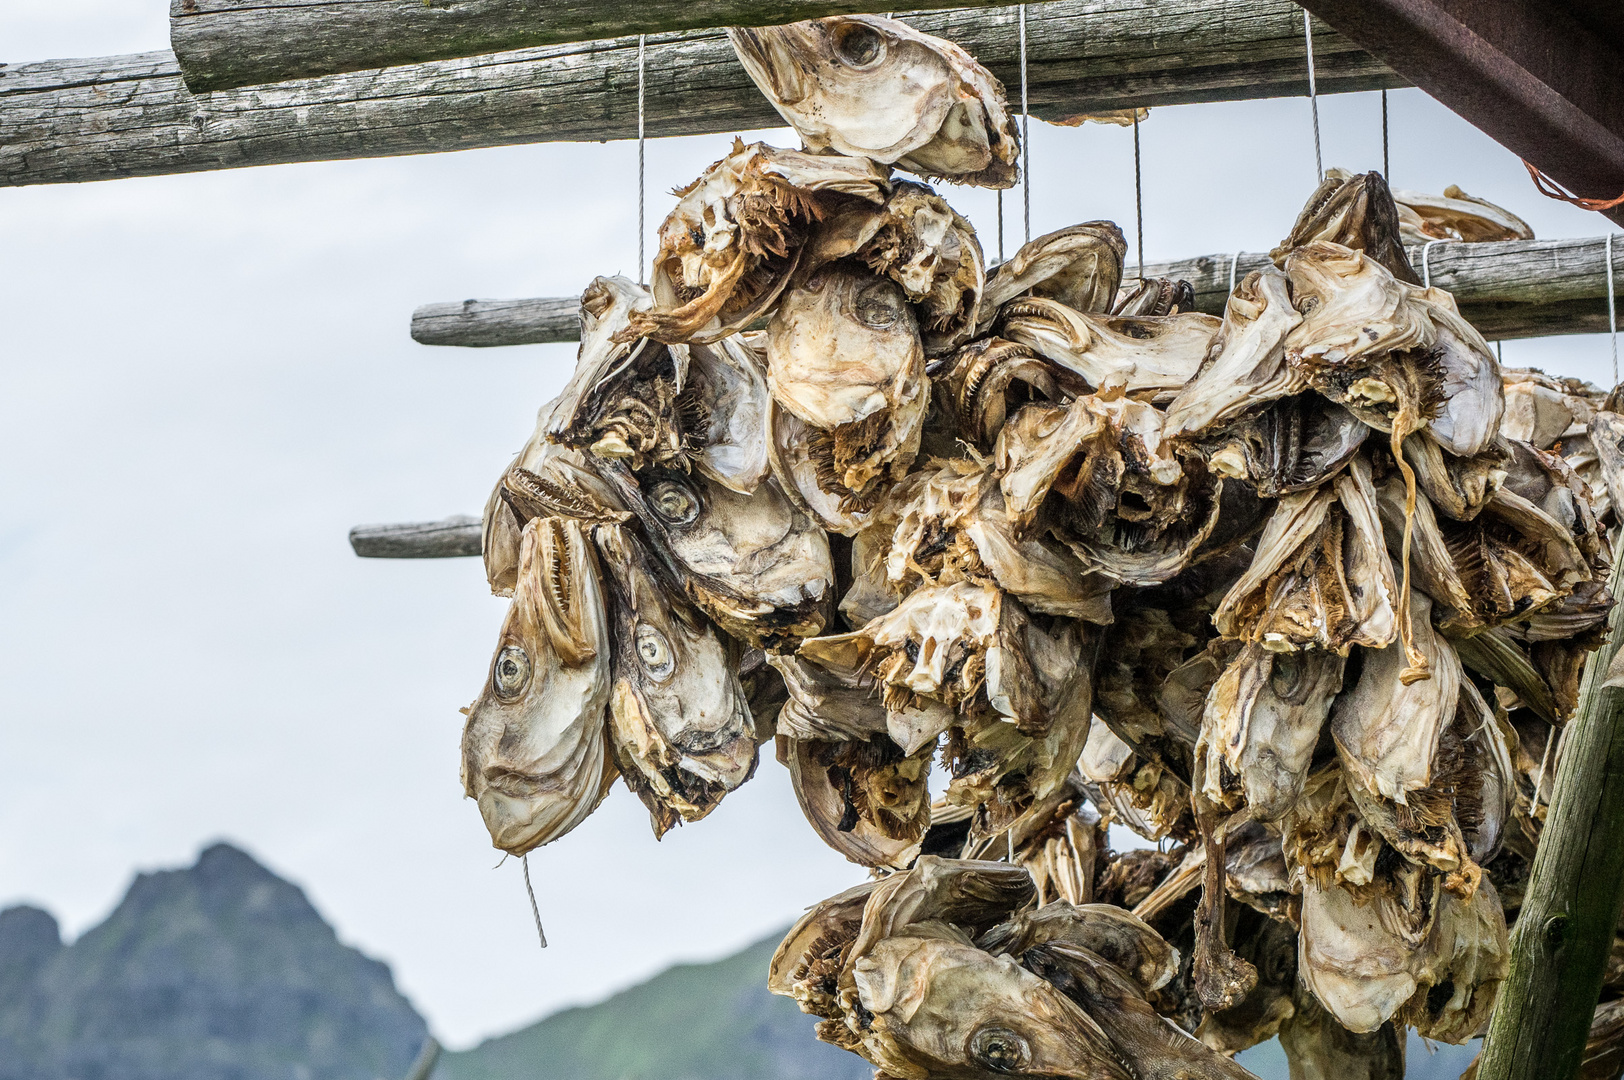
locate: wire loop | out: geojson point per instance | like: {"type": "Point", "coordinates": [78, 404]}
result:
{"type": "Point", "coordinates": [1552, 190]}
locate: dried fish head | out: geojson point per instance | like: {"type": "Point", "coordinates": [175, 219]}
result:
{"type": "Point", "coordinates": [844, 356]}
{"type": "Point", "coordinates": [533, 751]}
{"type": "Point", "coordinates": [943, 1008]}
{"type": "Point", "coordinates": [1116, 936]}
{"type": "Point", "coordinates": [1387, 730]}
{"type": "Point", "coordinates": [990, 378]}
{"type": "Point", "coordinates": [754, 563]}
{"type": "Point", "coordinates": [545, 480]}
{"type": "Point", "coordinates": [728, 392]}
{"type": "Point", "coordinates": [735, 238]}
{"type": "Point", "coordinates": [1140, 354]}
{"type": "Point", "coordinates": [1079, 266]}
{"type": "Point", "coordinates": [1470, 956]}
{"type": "Point", "coordinates": [1456, 215]}
{"type": "Point", "coordinates": [1360, 970]}
{"type": "Point", "coordinates": [1354, 310]}
{"type": "Point", "coordinates": [1291, 445]}
{"type": "Point", "coordinates": [1356, 212]}
{"type": "Point", "coordinates": [1321, 577]}
{"type": "Point", "coordinates": [865, 798]}
{"type": "Point", "coordinates": [1540, 409]}
{"type": "Point", "coordinates": [1154, 296]}
{"type": "Point", "coordinates": [608, 307]}
{"type": "Point", "coordinates": [1247, 363]}
{"type": "Point", "coordinates": [1263, 720]}
{"type": "Point", "coordinates": [944, 114]}
{"type": "Point", "coordinates": [682, 733]}
{"type": "Point", "coordinates": [1473, 400]}
{"type": "Point", "coordinates": [807, 963]}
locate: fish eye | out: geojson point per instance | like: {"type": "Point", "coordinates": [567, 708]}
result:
{"type": "Point", "coordinates": [859, 45]}
{"type": "Point", "coordinates": [1000, 1050]}
{"type": "Point", "coordinates": [655, 652]}
{"type": "Point", "coordinates": [1287, 677]}
{"type": "Point", "coordinates": [674, 502]}
{"type": "Point", "coordinates": [877, 309]}
{"type": "Point", "coordinates": [511, 672]}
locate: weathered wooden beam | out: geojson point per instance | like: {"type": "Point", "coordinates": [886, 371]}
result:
{"type": "Point", "coordinates": [450, 538]}
{"type": "Point", "coordinates": [66, 121]}
{"type": "Point", "coordinates": [227, 44]}
{"type": "Point", "coordinates": [1570, 911]}
{"type": "Point", "coordinates": [482, 323]}
{"type": "Point", "coordinates": [1514, 289]}
{"type": "Point", "coordinates": [1546, 85]}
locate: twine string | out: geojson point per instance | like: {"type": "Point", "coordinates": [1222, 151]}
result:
{"type": "Point", "coordinates": [1233, 262]}
{"type": "Point", "coordinates": [1426, 268]}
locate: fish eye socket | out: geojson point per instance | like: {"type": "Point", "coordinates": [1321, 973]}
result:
{"type": "Point", "coordinates": [876, 309]}
{"type": "Point", "coordinates": [1000, 1050]}
{"type": "Point", "coordinates": [510, 674]}
{"type": "Point", "coordinates": [1286, 677]}
{"type": "Point", "coordinates": [654, 651]}
{"type": "Point", "coordinates": [859, 45]}
{"type": "Point", "coordinates": [674, 502]}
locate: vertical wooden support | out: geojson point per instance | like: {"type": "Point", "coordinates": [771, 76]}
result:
{"type": "Point", "coordinates": [1565, 930]}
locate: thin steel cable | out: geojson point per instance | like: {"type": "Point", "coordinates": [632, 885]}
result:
{"type": "Point", "coordinates": [1026, 136]}
{"type": "Point", "coordinates": [1426, 269]}
{"type": "Point", "coordinates": [1387, 172]}
{"type": "Point", "coordinates": [534, 910]}
{"type": "Point", "coordinates": [1313, 95]}
{"type": "Point", "coordinates": [1612, 307]}
{"type": "Point", "coordinates": [642, 183]}
{"type": "Point", "coordinates": [1138, 199]}
{"type": "Point", "coordinates": [1233, 262]}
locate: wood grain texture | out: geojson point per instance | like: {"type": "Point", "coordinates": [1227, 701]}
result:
{"type": "Point", "coordinates": [451, 538]}
{"type": "Point", "coordinates": [1514, 289]}
{"type": "Point", "coordinates": [1564, 932]}
{"type": "Point", "coordinates": [65, 121]}
{"type": "Point", "coordinates": [483, 323]}
{"type": "Point", "coordinates": [227, 44]}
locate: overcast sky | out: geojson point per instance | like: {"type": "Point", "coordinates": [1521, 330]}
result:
{"type": "Point", "coordinates": [207, 379]}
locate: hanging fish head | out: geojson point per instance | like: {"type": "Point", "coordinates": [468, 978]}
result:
{"type": "Point", "coordinates": [944, 113]}
{"type": "Point", "coordinates": [844, 356]}
{"type": "Point", "coordinates": [533, 750]}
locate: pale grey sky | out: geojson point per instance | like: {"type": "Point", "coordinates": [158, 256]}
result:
{"type": "Point", "coordinates": [207, 379]}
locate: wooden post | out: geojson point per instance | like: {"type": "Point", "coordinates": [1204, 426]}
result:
{"type": "Point", "coordinates": [1575, 894]}
{"type": "Point", "coordinates": [455, 537]}
{"type": "Point", "coordinates": [483, 323]}
{"type": "Point", "coordinates": [226, 44]}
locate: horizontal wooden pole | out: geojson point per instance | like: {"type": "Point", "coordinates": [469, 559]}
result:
{"type": "Point", "coordinates": [1511, 289]}
{"type": "Point", "coordinates": [227, 44]}
{"type": "Point", "coordinates": [482, 323]}
{"type": "Point", "coordinates": [450, 538]}
{"type": "Point", "coordinates": [65, 121]}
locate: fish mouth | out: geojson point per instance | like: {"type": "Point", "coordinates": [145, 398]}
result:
{"type": "Point", "coordinates": [562, 596]}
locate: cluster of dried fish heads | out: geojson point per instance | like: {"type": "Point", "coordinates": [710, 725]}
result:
{"type": "Point", "coordinates": [1301, 593]}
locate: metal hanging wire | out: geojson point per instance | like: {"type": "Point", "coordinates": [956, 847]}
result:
{"type": "Point", "coordinates": [1138, 198]}
{"type": "Point", "coordinates": [1612, 305]}
{"type": "Point", "coordinates": [1387, 172]}
{"type": "Point", "coordinates": [1313, 95]}
{"type": "Point", "coordinates": [1000, 194]}
{"type": "Point", "coordinates": [1026, 135]}
{"type": "Point", "coordinates": [534, 909]}
{"type": "Point", "coordinates": [642, 227]}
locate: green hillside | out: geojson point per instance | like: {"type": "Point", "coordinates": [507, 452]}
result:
{"type": "Point", "coordinates": [691, 1022]}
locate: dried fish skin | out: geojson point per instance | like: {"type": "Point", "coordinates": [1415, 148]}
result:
{"type": "Point", "coordinates": [608, 307]}
{"type": "Point", "coordinates": [1456, 215]}
{"type": "Point", "coordinates": [754, 563]}
{"type": "Point", "coordinates": [1432, 564]}
{"type": "Point", "coordinates": [1079, 266]}
{"type": "Point", "coordinates": [806, 965]}
{"type": "Point", "coordinates": [1142, 649]}
{"type": "Point", "coordinates": [825, 705]}
{"type": "Point", "coordinates": [734, 239]}
{"type": "Point", "coordinates": [1387, 731]}
{"type": "Point", "coordinates": [1541, 410]}
{"type": "Point", "coordinates": [1357, 968]}
{"type": "Point", "coordinates": [730, 389]}
{"type": "Point", "coordinates": [1354, 311]}
{"type": "Point", "coordinates": [1247, 364]}
{"type": "Point", "coordinates": [1357, 212]}
{"type": "Point", "coordinates": [1111, 934]}
{"type": "Point", "coordinates": [1141, 354]}
{"type": "Point", "coordinates": [534, 754]}
{"type": "Point", "coordinates": [1154, 296]}
{"type": "Point", "coordinates": [864, 798]}
{"type": "Point", "coordinates": [1262, 722]}
{"type": "Point", "coordinates": [802, 458]}
{"type": "Point", "coordinates": [944, 117]}
{"type": "Point", "coordinates": [990, 375]}
{"type": "Point", "coordinates": [1473, 397]}
{"type": "Point", "coordinates": [1292, 445]}
{"type": "Point", "coordinates": [943, 1008]}
{"type": "Point", "coordinates": [1458, 487]}
{"type": "Point", "coordinates": [1469, 954]}
{"type": "Point", "coordinates": [1321, 577]}
{"type": "Point", "coordinates": [682, 734]}
{"type": "Point", "coordinates": [844, 356]}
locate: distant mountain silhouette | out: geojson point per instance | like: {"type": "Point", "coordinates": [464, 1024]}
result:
{"type": "Point", "coordinates": [222, 971]}
{"type": "Point", "coordinates": [691, 1022]}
